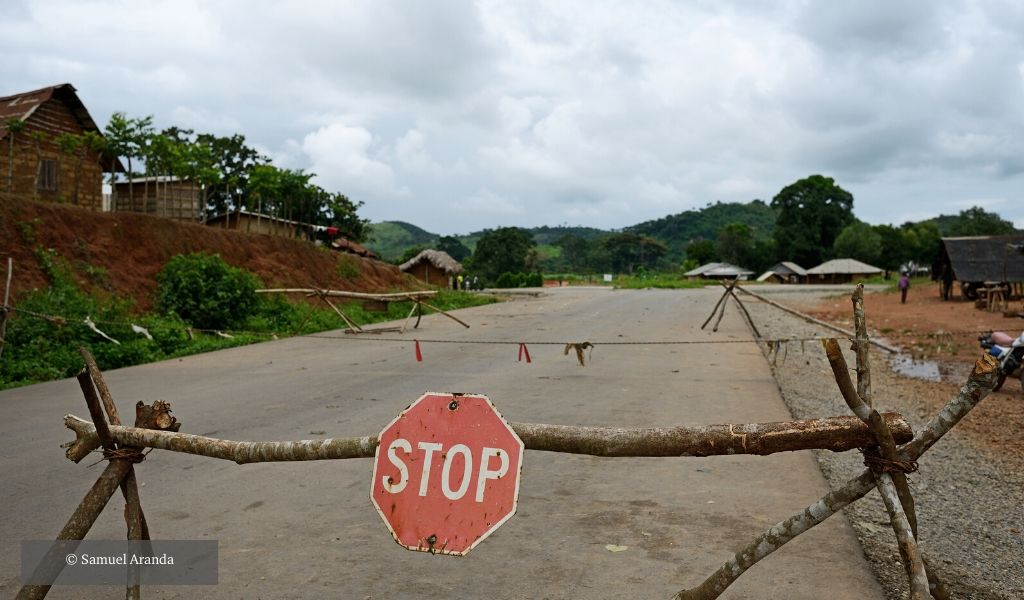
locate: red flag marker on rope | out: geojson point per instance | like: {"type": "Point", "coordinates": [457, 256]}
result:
{"type": "Point", "coordinates": [419, 355]}
{"type": "Point", "coordinates": [523, 350]}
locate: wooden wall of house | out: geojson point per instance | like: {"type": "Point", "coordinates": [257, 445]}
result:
{"type": "Point", "coordinates": [250, 224]}
{"type": "Point", "coordinates": [429, 274]}
{"type": "Point", "coordinates": [78, 179]}
{"type": "Point", "coordinates": [178, 200]}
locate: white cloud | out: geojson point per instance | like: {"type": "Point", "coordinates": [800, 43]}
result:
{"type": "Point", "coordinates": [341, 156]}
{"type": "Point", "coordinates": [470, 114]}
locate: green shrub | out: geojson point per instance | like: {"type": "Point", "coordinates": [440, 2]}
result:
{"type": "Point", "coordinates": [205, 291]}
{"type": "Point", "coordinates": [507, 280]}
{"type": "Point", "coordinates": [534, 280]}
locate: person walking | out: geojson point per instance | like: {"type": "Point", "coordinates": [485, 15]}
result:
{"type": "Point", "coordinates": [460, 279]}
{"type": "Point", "coordinates": [904, 285]}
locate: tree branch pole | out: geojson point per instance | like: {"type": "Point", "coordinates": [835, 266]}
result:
{"type": "Point", "coordinates": [95, 500]}
{"type": "Point", "coordinates": [847, 333]}
{"type": "Point", "coordinates": [979, 384]}
{"type": "Point", "coordinates": [895, 502]}
{"type": "Point", "coordinates": [721, 299]}
{"type": "Point", "coordinates": [360, 295]}
{"type": "Point", "coordinates": [860, 346]}
{"type": "Point", "coordinates": [436, 309]}
{"type": "Point", "coordinates": [835, 433]}
{"type": "Point", "coordinates": [5, 308]}
{"type": "Point", "coordinates": [746, 316]}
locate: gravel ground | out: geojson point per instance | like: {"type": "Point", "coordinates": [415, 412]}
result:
{"type": "Point", "coordinates": [969, 499]}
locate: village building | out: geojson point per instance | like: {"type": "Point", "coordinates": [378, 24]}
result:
{"type": "Point", "coordinates": [434, 267]}
{"type": "Point", "coordinates": [43, 154]}
{"type": "Point", "coordinates": [981, 264]}
{"type": "Point", "coordinates": [784, 272]}
{"type": "Point", "coordinates": [251, 222]}
{"type": "Point", "coordinates": [718, 270]}
{"type": "Point", "coordinates": [164, 196]}
{"type": "Point", "coordinates": [841, 270]}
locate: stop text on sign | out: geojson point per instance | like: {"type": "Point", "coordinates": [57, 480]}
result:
{"type": "Point", "coordinates": [465, 478]}
{"type": "Point", "coordinates": [446, 473]}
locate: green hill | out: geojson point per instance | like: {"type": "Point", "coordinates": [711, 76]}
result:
{"type": "Point", "coordinates": [390, 239]}
{"type": "Point", "coordinates": [676, 231]}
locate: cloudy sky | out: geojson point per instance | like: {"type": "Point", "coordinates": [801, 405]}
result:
{"type": "Point", "coordinates": [457, 116]}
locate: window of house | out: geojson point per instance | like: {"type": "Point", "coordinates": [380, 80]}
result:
{"type": "Point", "coordinates": [46, 179]}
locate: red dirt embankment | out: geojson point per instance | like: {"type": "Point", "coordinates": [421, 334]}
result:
{"type": "Point", "coordinates": [122, 252]}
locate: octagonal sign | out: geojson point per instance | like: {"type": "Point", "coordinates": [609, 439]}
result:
{"type": "Point", "coordinates": [446, 473]}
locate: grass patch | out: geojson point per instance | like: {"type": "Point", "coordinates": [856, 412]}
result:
{"type": "Point", "coordinates": [38, 349]}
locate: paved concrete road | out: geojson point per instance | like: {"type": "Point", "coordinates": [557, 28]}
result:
{"type": "Point", "coordinates": [308, 530]}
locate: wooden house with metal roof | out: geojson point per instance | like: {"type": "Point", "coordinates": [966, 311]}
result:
{"type": "Point", "coordinates": [43, 154]}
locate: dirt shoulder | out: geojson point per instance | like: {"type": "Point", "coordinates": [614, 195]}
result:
{"type": "Point", "coordinates": [970, 486]}
{"type": "Point", "coordinates": [121, 253]}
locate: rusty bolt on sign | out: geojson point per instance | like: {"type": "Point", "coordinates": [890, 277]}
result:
{"type": "Point", "coordinates": [446, 473]}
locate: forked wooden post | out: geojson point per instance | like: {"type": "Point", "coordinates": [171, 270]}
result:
{"type": "Point", "coordinates": [976, 389]}
{"type": "Point", "coordinates": [118, 473]}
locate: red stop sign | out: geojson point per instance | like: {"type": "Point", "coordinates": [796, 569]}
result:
{"type": "Point", "coordinates": [446, 473]}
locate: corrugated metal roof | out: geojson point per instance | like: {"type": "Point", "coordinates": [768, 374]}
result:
{"type": "Point", "coordinates": [22, 106]}
{"type": "Point", "coordinates": [843, 266]}
{"type": "Point", "coordinates": [718, 269]}
{"type": "Point", "coordinates": [792, 266]}
{"type": "Point", "coordinates": [985, 258]}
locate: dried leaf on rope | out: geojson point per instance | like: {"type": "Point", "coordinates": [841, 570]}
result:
{"type": "Point", "coordinates": [579, 348]}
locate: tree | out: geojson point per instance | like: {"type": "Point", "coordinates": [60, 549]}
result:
{"type": "Point", "coordinates": [893, 248]}
{"type": "Point", "coordinates": [453, 247]}
{"type": "Point", "coordinates": [576, 251]}
{"type": "Point", "coordinates": [812, 213]}
{"type": "Point", "coordinates": [860, 242]}
{"type": "Point", "coordinates": [922, 241]}
{"type": "Point", "coordinates": [702, 251]}
{"type": "Point", "coordinates": [977, 221]}
{"type": "Point", "coordinates": [501, 250]}
{"type": "Point", "coordinates": [629, 251]}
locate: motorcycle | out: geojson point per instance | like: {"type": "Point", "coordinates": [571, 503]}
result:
{"type": "Point", "coordinates": [1010, 353]}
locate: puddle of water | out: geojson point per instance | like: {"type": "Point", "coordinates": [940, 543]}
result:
{"type": "Point", "coordinates": [927, 370]}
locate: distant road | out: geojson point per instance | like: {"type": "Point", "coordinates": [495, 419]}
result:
{"type": "Point", "coordinates": [308, 530]}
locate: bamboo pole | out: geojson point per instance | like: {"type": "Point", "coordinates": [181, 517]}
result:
{"type": "Point", "coordinates": [834, 433]}
{"type": "Point", "coordinates": [811, 319]}
{"type": "Point", "coordinates": [978, 386]}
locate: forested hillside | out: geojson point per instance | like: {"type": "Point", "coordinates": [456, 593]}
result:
{"type": "Point", "coordinates": [676, 231]}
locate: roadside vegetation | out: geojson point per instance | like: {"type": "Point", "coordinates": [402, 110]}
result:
{"type": "Point", "coordinates": [203, 304]}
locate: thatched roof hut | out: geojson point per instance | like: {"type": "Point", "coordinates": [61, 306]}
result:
{"type": "Point", "coordinates": [434, 267]}
{"type": "Point", "coordinates": [841, 270]}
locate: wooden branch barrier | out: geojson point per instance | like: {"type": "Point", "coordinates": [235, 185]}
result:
{"type": "Point", "coordinates": [156, 428]}
{"type": "Point", "coordinates": [835, 433]}
{"type": "Point", "coordinates": [810, 319]}
{"type": "Point", "coordinates": [416, 297]}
